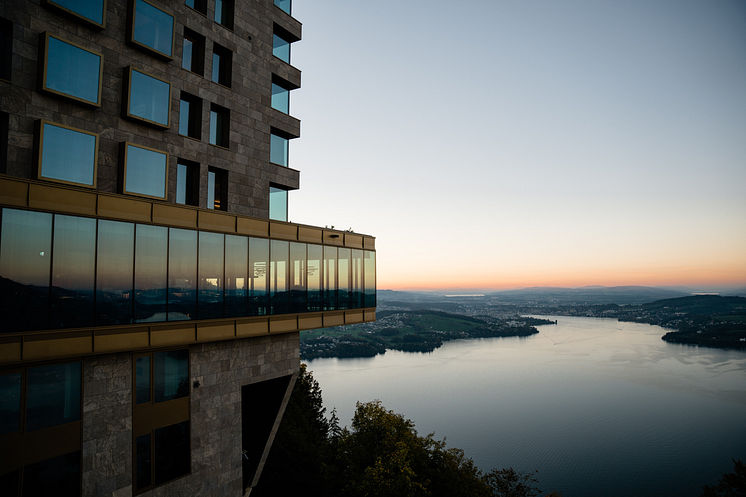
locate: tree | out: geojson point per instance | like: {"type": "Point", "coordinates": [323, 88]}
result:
{"type": "Point", "coordinates": [730, 485]}
{"type": "Point", "coordinates": [510, 483]}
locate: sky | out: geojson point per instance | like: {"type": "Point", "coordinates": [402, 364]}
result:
{"type": "Point", "coordinates": [494, 145]}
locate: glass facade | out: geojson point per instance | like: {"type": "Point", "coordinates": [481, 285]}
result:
{"type": "Point", "coordinates": [281, 48]}
{"type": "Point", "coordinates": [278, 204]}
{"type": "Point", "coordinates": [68, 154]}
{"type": "Point", "coordinates": [149, 98]}
{"type": "Point", "coordinates": [72, 71]}
{"type": "Point", "coordinates": [52, 395]}
{"type": "Point", "coordinates": [278, 150]}
{"type": "Point", "coordinates": [280, 98]}
{"type": "Point", "coordinates": [92, 10]}
{"type": "Point", "coordinates": [153, 28]}
{"type": "Point", "coordinates": [143, 273]}
{"type": "Point", "coordinates": [146, 171]}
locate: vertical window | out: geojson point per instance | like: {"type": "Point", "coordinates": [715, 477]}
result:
{"type": "Point", "coordinates": [284, 5]}
{"type": "Point", "coordinates": [187, 182]}
{"type": "Point", "coordinates": [281, 48]}
{"type": "Point", "coordinates": [148, 98]}
{"type": "Point", "coordinates": [219, 126]}
{"type": "Point", "coordinates": [145, 171]}
{"type": "Point", "coordinates": [343, 278]}
{"type": "Point", "coordinates": [280, 98]}
{"type": "Point", "coordinates": [193, 52]}
{"type": "Point", "coordinates": [329, 279]}
{"type": "Point", "coordinates": [356, 277]}
{"type": "Point", "coordinates": [217, 189]}
{"type": "Point", "coordinates": [370, 278]}
{"type": "Point", "coordinates": [182, 274]}
{"type": "Point", "coordinates": [52, 395]}
{"type": "Point", "coordinates": [198, 5]}
{"type": "Point", "coordinates": [236, 275]}
{"type": "Point", "coordinates": [210, 296]}
{"type": "Point", "coordinates": [151, 29]}
{"type": "Point", "coordinates": [222, 62]}
{"type": "Point", "coordinates": [278, 204]}
{"type": "Point", "coordinates": [224, 13]}
{"type": "Point", "coordinates": [115, 260]}
{"type": "Point", "coordinates": [314, 264]}
{"type": "Point", "coordinates": [6, 48]}
{"type": "Point", "coordinates": [297, 277]}
{"type": "Point", "coordinates": [278, 149]}
{"type": "Point", "coordinates": [190, 116]}
{"type": "Point", "coordinates": [151, 259]}
{"type": "Point", "coordinates": [67, 154]}
{"type": "Point", "coordinates": [258, 276]}
{"type": "Point", "coordinates": [279, 297]}
{"type": "Point", "coordinates": [91, 12]}
{"type": "Point", "coordinates": [71, 71]}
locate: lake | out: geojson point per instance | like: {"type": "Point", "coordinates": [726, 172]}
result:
{"type": "Point", "coordinates": [597, 406]}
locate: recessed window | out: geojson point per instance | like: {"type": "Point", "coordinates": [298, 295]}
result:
{"type": "Point", "coordinates": [152, 29]}
{"type": "Point", "coordinates": [92, 12]}
{"type": "Point", "coordinates": [145, 171]}
{"type": "Point", "coordinates": [278, 150]}
{"type": "Point", "coordinates": [190, 116]}
{"type": "Point", "coordinates": [6, 48]}
{"type": "Point", "coordinates": [217, 189]}
{"type": "Point", "coordinates": [219, 126]}
{"type": "Point", "coordinates": [280, 98]}
{"type": "Point", "coordinates": [278, 204]}
{"type": "Point", "coordinates": [71, 71]}
{"type": "Point", "coordinates": [224, 13]}
{"type": "Point", "coordinates": [222, 61]}
{"type": "Point", "coordinates": [67, 154]}
{"type": "Point", "coordinates": [187, 182]}
{"type": "Point", "coordinates": [281, 48]}
{"type": "Point", "coordinates": [193, 53]}
{"type": "Point", "coordinates": [148, 98]}
{"type": "Point", "coordinates": [284, 5]}
{"type": "Point", "coordinates": [198, 5]}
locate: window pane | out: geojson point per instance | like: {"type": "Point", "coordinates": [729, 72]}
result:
{"type": "Point", "coordinates": [59, 476]}
{"type": "Point", "coordinates": [153, 28]}
{"type": "Point", "coordinates": [144, 467]}
{"type": "Point", "coordinates": [142, 379]}
{"type": "Point", "coordinates": [52, 395]}
{"type": "Point", "coordinates": [330, 278]}
{"type": "Point", "coordinates": [215, 67]}
{"type": "Point", "coordinates": [149, 98]}
{"type": "Point", "coordinates": [343, 278]}
{"type": "Point", "coordinates": [284, 5]}
{"type": "Point", "coordinates": [25, 262]}
{"type": "Point", "coordinates": [315, 258]}
{"type": "Point", "coordinates": [278, 204]}
{"type": "Point", "coordinates": [297, 277]}
{"type": "Point", "coordinates": [370, 279]}
{"type": "Point", "coordinates": [184, 117]}
{"type": "Point", "coordinates": [171, 452]}
{"type": "Point", "coordinates": [280, 98]}
{"type": "Point", "coordinates": [90, 9]}
{"type": "Point", "coordinates": [73, 267]}
{"type": "Point", "coordinates": [278, 150]}
{"type": "Point", "coordinates": [151, 255]}
{"type": "Point", "coordinates": [219, 125]}
{"type": "Point", "coordinates": [356, 277]}
{"type": "Point", "coordinates": [236, 275]}
{"type": "Point", "coordinates": [73, 71]}
{"type": "Point", "coordinates": [281, 49]}
{"type": "Point", "coordinates": [146, 171]}
{"type": "Point", "coordinates": [186, 54]}
{"type": "Point", "coordinates": [115, 270]}
{"type": "Point", "coordinates": [187, 180]}
{"type": "Point", "coordinates": [170, 375]}
{"type": "Point", "coordinates": [210, 297]}
{"type": "Point", "coordinates": [10, 403]}
{"type": "Point", "coordinates": [258, 276]}
{"type": "Point", "coordinates": [279, 297]}
{"type": "Point", "coordinates": [68, 155]}
{"type": "Point", "coordinates": [182, 274]}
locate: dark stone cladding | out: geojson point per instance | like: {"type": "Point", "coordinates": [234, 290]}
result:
{"type": "Point", "coordinates": [248, 99]}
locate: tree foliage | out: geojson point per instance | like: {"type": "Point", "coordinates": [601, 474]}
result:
{"type": "Point", "coordinates": [730, 485]}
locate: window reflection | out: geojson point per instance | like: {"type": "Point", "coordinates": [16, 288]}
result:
{"type": "Point", "coordinates": [149, 98]}
{"type": "Point", "coordinates": [329, 293]}
{"type": "Point", "coordinates": [52, 395]}
{"type": "Point", "coordinates": [89, 9]}
{"type": "Point", "coordinates": [72, 71]}
{"type": "Point", "coordinates": [151, 257]}
{"type": "Point", "coordinates": [10, 403]}
{"type": "Point", "coordinates": [284, 5]}
{"type": "Point", "coordinates": [210, 297]}
{"type": "Point", "coordinates": [73, 272]}
{"type": "Point", "coordinates": [170, 375]}
{"type": "Point", "coordinates": [182, 274]}
{"type": "Point", "coordinates": [146, 171]}
{"type": "Point", "coordinates": [297, 277]}
{"type": "Point", "coordinates": [115, 265]}
{"type": "Point", "coordinates": [278, 204]}
{"type": "Point", "coordinates": [281, 48]}
{"type": "Point", "coordinates": [153, 28]}
{"type": "Point", "coordinates": [280, 98]}
{"type": "Point", "coordinates": [356, 279]}
{"type": "Point", "coordinates": [142, 380]}
{"type": "Point", "coordinates": [314, 263]}
{"type": "Point", "coordinates": [370, 278]}
{"type": "Point", "coordinates": [279, 297]}
{"type": "Point", "coordinates": [68, 154]}
{"type": "Point", "coordinates": [278, 150]}
{"type": "Point", "coordinates": [344, 281]}
{"type": "Point", "coordinates": [258, 276]}
{"type": "Point", "coordinates": [236, 275]}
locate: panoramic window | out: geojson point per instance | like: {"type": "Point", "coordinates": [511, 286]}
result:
{"type": "Point", "coordinates": [145, 171]}
{"type": "Point", "coordinates": [193, 52]}
{"type": "Point", "coordinates": [219, 126]}
{"type": "Point", "coordinates": [224, 13]}
{"type": "Point", "coordinates": [222, 61]}
{"type": "Point", "coordinates": [281, 48]}
{"type": "Point", "coordinates": [236, 275]}
{"type": "Point", "coordinates": [280, 98]}
{"type": "Point", "coordinates": [71, 71]}
{"type": "Point", "coordinates": [278, 204]}
{"type": "Point", "coordinates": [67, 154]}
{"type": "Point", "coordinates": [148, 98]}
{"type": "Point", "coordinates": [278, 150]}
{"type": "Point", "coordinates": [198, 5]}
{"type": "Point", "coordinates": [6, 48]}
{"type": "Point", "coordinates": [284, 5]}
{"type": "Point", "coordinates": [182, 274]}
{"type": "Point", "coordinates": [190, 116]}
{"type": "Point", "coordinates": [114, 269]}
{"type": "Point", "coordinates": [211, 268]}
{"type": "Point", "coordinates": [217, 189]}
{"type": "Point", "coordinates": [187, 182]}
{"type": "Point", "coordinates": [152, 29]}
{"type": "Point", "coordinates": [151, 263]}
{"type": "Point", "coordinates": [279, 295]}
{"type": "Point", "coordinates": [92, 12]}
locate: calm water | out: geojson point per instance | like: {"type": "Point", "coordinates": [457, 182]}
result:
{"type": "Point", "coordinates": [599, 407]}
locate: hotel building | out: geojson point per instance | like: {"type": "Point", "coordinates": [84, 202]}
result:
{"type": "Point", "coordinates": [151, 288]}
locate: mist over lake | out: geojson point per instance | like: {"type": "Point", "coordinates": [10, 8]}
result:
{"type": "Point", "coordinates": [597, 406]}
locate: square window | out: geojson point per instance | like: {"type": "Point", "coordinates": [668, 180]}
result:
{"type": "Point", "coordinates": [281, 48]}
{"type": "Point", "coordinates": [193, 53]}
{"type": "Point", "coordinates": [152, 29]}
{"type": "Point", "coordinates": [148, 98]}
{"type": "Point", "coordinates": [278, 204]}
{"type": "Point", "coordinates": [187, 183]}
{"type": "Point", "coordinates": [284, 5]}
{"type": "Point", "coordinates": [198, 5]}
{"type": "Point", "coordinates": [91, 12]}
{"type": "Point", "coordinates": [224, 13]}
{"type": "Point", "coordinates": [222, 62]}
{"type": "Point", "coordinates": [71, 71]}
{"type": "Point", "coordinates": [278, 150]}
{"type": "Point", "coordinates": [190, 116]}
{"type": "Point", "coordinates": [217, 189]}
{"type": "Point", "coordinates": [145, 171]}
{"type": "Point", "coordinates": [219, 126]}
{"type": "Point", "coordinates": [280, 98]}
{"type": "Point", "coordinates": [6, 48]}
{"type": "Point", "coordinates": [66, 154]}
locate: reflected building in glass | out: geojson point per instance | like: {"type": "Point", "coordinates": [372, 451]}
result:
{"type": "Point", "coordinates": [151, 287]}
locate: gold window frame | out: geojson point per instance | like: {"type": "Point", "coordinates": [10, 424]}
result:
{"type": "Point", "coordinates": [124, 151]}
{"type": "Point", "coordinates": [79, 17]}
{"type": "Point", "coordinates": [127, 94]}
{"type": "Point", "coordinates": [131, 14]}
{"type": "Point", "coordinates": [39, 152]}
{"type": "Point", "coordinates": [44, 58]}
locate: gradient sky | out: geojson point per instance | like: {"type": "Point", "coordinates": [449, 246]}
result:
{"type": "Point", "coordinates": [495, 144]}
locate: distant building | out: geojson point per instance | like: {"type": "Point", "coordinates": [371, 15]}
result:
{"type": "Point", "coordinates": [151, 288]}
